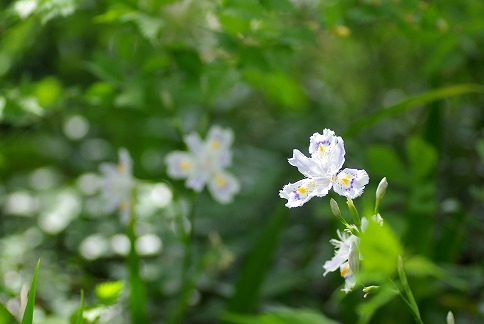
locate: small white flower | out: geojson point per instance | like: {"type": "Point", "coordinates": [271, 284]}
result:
{"type": "Point", "coordinates": [346, 254]}
{"type": "Point", "coordinates": [346, 258]}
{"type": "Point", "coordinates": [323, 172]}
{"type": "Point", "coordinates": [204, 163]}
{"type": "Point", "coordinates": [117, 183]}
{"type": "Point", "coordinates": [342, 249]}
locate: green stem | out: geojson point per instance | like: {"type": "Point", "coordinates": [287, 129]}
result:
{"type": "Point", "coordinates": [410, 300]}
{"type": "Point", "coordinates": [188, 274]}
{"type": "Point", "coordinates": [137, 296]}
{"type": "Point", "coordinates": [354, 214]}
{"type": "Point", "coordinates": [377, 205]}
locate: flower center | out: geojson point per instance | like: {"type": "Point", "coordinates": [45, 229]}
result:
{"type": "Point", "coordinates": [345, 270]}
{"type": "Point", "coordinates": [121, 168]}
{"type": "Point", "coordinates": [184, 165]}
{"type": "Point", "coordinates": [215, 144]}
{"type": "Point", "coordinates": [345, 180]}
{"type": "Point", "coordinates": [321, 148]}
{"type": "Point", "coordinates": [219, 181]}
{"type": "Point", "coordinates": [301, 190]}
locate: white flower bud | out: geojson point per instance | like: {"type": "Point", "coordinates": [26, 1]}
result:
{"type": "Point", "coordinates": [450, 318]}
{"type": "Point", "coordinates": [335, 208]}
{"type": "Point", "coordinates": [382, 187]}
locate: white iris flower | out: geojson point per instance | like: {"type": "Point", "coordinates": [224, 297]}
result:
{"type": "Point", "coordinates": [204, 163]}
{"type": "Point", "coordinates": [346, 254]}
{"type": "Point", "coordinates": [117, 183]}
{"type": "Point", "coordinates": [346, 258]}
{"type": "Point", "coordinates": [323, 171]}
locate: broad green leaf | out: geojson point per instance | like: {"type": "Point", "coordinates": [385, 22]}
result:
{"type": "Point", "coordinates": [379, 249]}
{"type": "Point", "coordinates": [385, 162]}
{"type": "Point", "coordinates": [108, 292]}
{"type": "Point", "coordinates": [280, 316]}
{"type": "Point", "coordinates": [412, 103]}
{"type": "Point", "coordinates": [257, 265]}
{"type": "Point", "coordinates": [422, 157]}
{"type": "Point", "coordinates": [29, 309]}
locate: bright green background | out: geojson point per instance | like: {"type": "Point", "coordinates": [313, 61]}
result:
{"type": "Point", "coordinates": [401, 81]}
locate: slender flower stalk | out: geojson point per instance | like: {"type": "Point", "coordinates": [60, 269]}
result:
{"type": "Point", "coordinates": [137, 296]}
{"type": "Point", "coordinates": [188, 276]}
{"type": "Point", "coordinates": [120, 193]}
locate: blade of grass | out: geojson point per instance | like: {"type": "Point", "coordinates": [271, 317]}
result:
{"type": "Point", "coordinates": [412, 304]}
{"type": "Point", "coordinates": [80, 313]}
{"type": "Point", "coordinates": [137, 297]}
{"type": "Point", "coordinates": [29, 309]}
{"type": "Point", "coordinates": [257, 265]}
{"type": "Point", "coordinates": [412, 103]}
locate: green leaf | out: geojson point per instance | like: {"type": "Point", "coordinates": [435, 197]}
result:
{"type": "Point", "coordinates": [108, 292]}
{"type": "Point", "coordinates": [29, 309]}
{"type": "Point", "coordinates": [379, 249]}
{"type": "Point", "coordinates": [277, 87]}
{"type": "Point", "coordinates": [257, 265]}
{"type": "Point", "coordinates": [412, 103]}
{"type": "Point", "coordinates": [234, 22]}
{"type": "Point", "coordinates": [422, 157]}
{"type": "Point", "coordinates": [5, 316]}
{"type": "Point", "coordinates": [280, 316]}
{"type": "Point", "coordinates": [385, 162]}
{"type": "Point", "coordinates": [80, 319]}
{"type": "Point", "coordinates": [48, 91]}
{"type": "Point", "coordinates": [410, 299]}
{"type": "Point", "coordinates": [106, 68]}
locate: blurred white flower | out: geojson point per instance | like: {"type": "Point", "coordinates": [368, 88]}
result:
{"type": "Point", "coordinates": [322, 171]}
{"type": "Point", "coordinates": [117, 183]}
{"type": "Point", "coordinates": [204, 163]}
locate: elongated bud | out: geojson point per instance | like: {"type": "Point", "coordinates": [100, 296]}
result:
{"type": "Point", "coordinates": [450, 318]}
{"type": "Point", "coordinates": [380, 192]}
{"type": "Point", "coordinates": [335, 208]}
{"type": "Point", "coordinates": [382, 188]}
{"type": "Point", "coordinates": [337, 212]}
{"type": "Point", "coordinates": [368, 290]}
{"type": "Point", "coordinates": [354, 213]}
